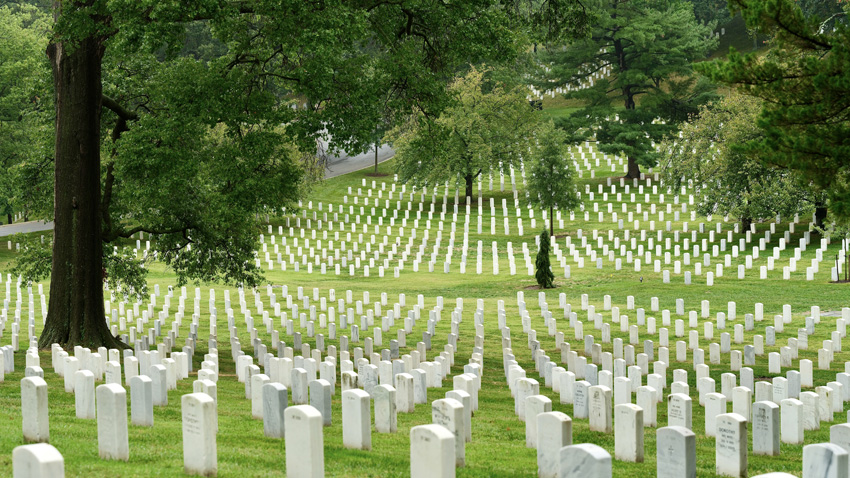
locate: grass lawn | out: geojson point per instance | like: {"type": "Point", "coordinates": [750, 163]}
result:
{"type": "Point", "coordinates": [498, 436]}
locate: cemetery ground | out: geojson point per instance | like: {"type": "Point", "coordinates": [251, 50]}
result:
{"type": "Point", "coordinates": [498, 446]}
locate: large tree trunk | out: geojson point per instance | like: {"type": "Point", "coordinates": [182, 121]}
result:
{"type": "Point", "coordinates": [820, 215]}
{"type": "Point", "coordinates": [745, 224]}
{"type": "Point", "coordinates": [75, 315]}
{"type": "Point", "coordinates": [469, 179]}
{"type": "Point", "coordinates": [9, 218]}
{"type": "Point", "coordinates": [634, 169]}
{"type": "Point", "coordinates": [376, 157]}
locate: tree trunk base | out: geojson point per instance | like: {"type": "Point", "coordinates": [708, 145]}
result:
{"type": "Point", "coordinates": [633, 171]}
{"type": "Point", "coordinates": [820, 216]}
{"type": "Point", "coordinates": [92, 339]}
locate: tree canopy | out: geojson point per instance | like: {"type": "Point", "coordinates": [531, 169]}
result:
{"type": "Point", "coordinates": [551, 182]}
{"type": "Point", "coordinates": [189, 141]}
{"type": "Point", "coordinates": [633, 76]}
{"type": "Point", "coordinates": [804, 81]}
{"type": "Point", "coordinates": [727, 180]}
{"type": "Point", "coordinates": [487, 128]}
{"type": "Point", "coordinates": [25, 104]}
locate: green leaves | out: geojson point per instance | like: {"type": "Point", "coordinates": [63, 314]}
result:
{"type": "Point", "coordinates": [551, 183]}
{"type": "Point", "coordinates": [805, 82]}
{"type": "Point", "coordinates": [543, 272]}
{"type": "Point", "coordinates": [638, 59]}
{"type": "Point", "coordinates": [488, 127]}
{"type": "Point", "coordinates": [730, 179]}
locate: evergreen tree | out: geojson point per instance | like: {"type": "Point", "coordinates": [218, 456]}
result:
{"type": "Point", "coordinates": [804, 81]}
{"type": "Point", "coordinates": [633, 75]}
{"type": "Point", "coordinates": [544, 274]}
{"type": "Point", "coordinates": [550, 182]}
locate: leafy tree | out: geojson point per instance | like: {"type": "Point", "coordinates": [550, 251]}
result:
{"type": "Point", "coordinates": [646, 47]}
{"type": "Point", "coordinates": [193, 146]}
{"type": "Point", "coordinates": [727, 180]}
{"type": "Point", "coordinates": [550, 182]}
{"type": "Point", "coordinates": [544, 274]}
{"type": "Point", "coordinates": [710, 11]}
{"type": "Point", "coordinates": [803, 81]}
{"type": "Point", "coordinates": [486, 128]}
{"type": "Point", "coordinates": [24, 97]}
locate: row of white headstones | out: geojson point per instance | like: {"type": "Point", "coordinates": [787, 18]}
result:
{"type": "Point", "coordinates": [591, 397]}
{"type": "Point", "coordinates": [597, 414]}
{"type": "Point", "coordinates": [331, 253]}
{"type": "Point", "coordinates": [269, 400]}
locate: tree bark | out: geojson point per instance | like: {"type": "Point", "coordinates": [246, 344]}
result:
{"type": "Point", "coordinates": [469, 179]}
{"type": "Point", "coordinates": [75, 314]}
{"type": "Point", "coordinates": [551, 222]}
{"type": "Point", "coordinates": [9, 218]}
{"type": "Point", "coordinates": [820, 215]}
{"type": "Point", "coordinates": [745, 224]}
{"type": "Point", "coordinates": [634, 169]}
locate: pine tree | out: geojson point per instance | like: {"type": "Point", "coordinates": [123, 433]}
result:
{"type": "Point", "coordinates": [633, 69]}
{"type": "Point", "coordinates": [803, 81]}
{"type": "Point", "coordinates": [544, 274]}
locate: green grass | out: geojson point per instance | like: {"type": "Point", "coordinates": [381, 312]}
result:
{"type": "Point", "coordinates": [498, 446]}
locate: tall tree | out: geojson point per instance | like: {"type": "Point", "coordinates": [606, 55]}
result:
{"type": "Point", "coordinates": [804, 81]}
{"type": "Point", "coordinates": [487, 128]}
{"type": "Point", "coordinates": [633, 75]}
{"type": "Point", "coordinates": [195, 145]}
{"type": "Point", "coordinates": [727, 180]}
{"type": "Point", "coordinates": [550, 182]}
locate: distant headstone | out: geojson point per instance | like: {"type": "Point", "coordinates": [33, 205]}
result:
{"type": "Point", "coordinates": [141, 401]}
{"type": "Point", "coordinates": [791, 417]}
{"type": "Point", "coordinates": [274, 406]}
{"type": "Point", "coordinates": [679, 410]}
{"type": "Point", "coordinates": [320, 398]}
{"type": "Point", "coordinates": [448, 412]}
{"type": "Point", "coordinates": [628, 432]}
{"type": "Point", "coordinates": [600, 409]}
{"type": "Point", "coordinates": [385, 409]}
{"type": "Point", "coordinates": [765, 428]}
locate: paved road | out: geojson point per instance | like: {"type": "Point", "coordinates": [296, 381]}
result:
{"type": "Point", "coordinates": [337, 166]}
{"type": "Point", "coordinates": [31, 226]}
{"type": "Point", "coordinates": [344, 164]}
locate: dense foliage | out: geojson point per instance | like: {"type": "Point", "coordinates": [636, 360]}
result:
{"type": "Point", "coordinates": [487, 128]}
{"type": "Point", "coordinates": [729, 181]}
{"type": "Point", "coordinates": [805, 83]}
{"type": "Point", "coordinates": [633, 76]}
{"type": "Point", "coordinates": [550, 177]}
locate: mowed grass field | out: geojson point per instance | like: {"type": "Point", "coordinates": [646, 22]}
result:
{"type": "Point", "coordinates": [498, 436]}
